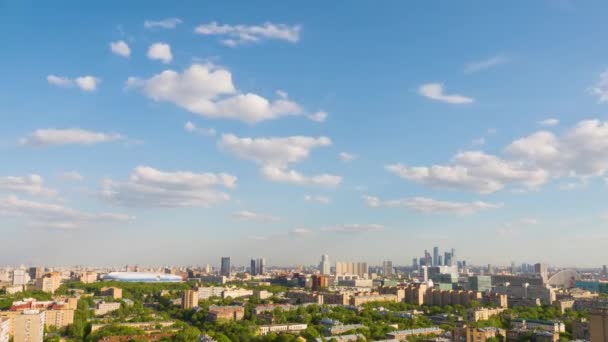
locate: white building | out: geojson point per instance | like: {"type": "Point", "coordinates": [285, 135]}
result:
{"type": "Point", "coordinates": [279, 328]}
{"type": "Point", "coordinates": [103, 308]}
{"type": "Point", "coordinates": [325, 266]}
{"type": "Point", "coordinates": [210, 291]}
{"type": "Point", "coordinates": [20, 277]}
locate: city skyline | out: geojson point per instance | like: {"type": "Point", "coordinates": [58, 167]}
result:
{"type": "Point", "coordinates": [180, 133]}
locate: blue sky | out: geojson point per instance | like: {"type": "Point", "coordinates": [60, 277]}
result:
{"type": "Point", "coordinates": [357, 129]}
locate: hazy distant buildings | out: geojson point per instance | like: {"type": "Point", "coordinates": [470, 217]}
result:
{"type": "Point", "coordinates": [387, 268]}
{"type": "Point", "coordinates": [257, 266]}
{"type": "Point", "coordinates": [352, 268]}
{"type": "Point", "coordinates": [225, 267]}
{"type": "Point", "coordinates": [324, 265]}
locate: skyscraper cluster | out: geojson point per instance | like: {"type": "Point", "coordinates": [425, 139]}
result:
{"type": "Point", "coordinates": [448, 258]}
{"type": "Point", "coordinates": [257, 266]}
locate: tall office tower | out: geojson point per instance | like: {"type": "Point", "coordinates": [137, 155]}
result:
{"type": "Point", "coordinates": [29, 326]}
{"type": "Point", "coordinates": [324, 265]}
{"type": "Point", "coordinates": [447, 259]}
{"type": "Point", "coordinates": [440, 261]}
{"type": "Point", "coordinates": [598, 324]}
{"type": "Point", "coordinates": [261, 266]}
{"type": "Point", "coordinates": [387, 268]}
{"type": "Point", "coordinates": [513, 268]}
{"type": "Point", "coordinates": [225, 267]}
{"type": "Point", "coordinates": [254, 268]}
{"type": "Point", "coordinates": [490, 269]}
{"type": "Point", "coordinates": [453, 256]}
{"type": "Point", "coordinates": [415, 263]}
{"type": "Point", "coordinates": [435, 256]}
{"type": "Point", "coordinates": [189, 299]}
{"type": "Point", "coordinates": [542, 270]}
{"type": "Point", "coordinates": [604, 271]}
{"type": "Point", "coordinates": [19, 277]}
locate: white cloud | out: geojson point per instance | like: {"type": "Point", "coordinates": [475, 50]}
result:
{"type": "Point", "coordinates": [432, 206]}
{"type": "Point", "coordinates": [74, 176]}
{"type": "Point", "coordinates": [317, 198]}
{"type": "Point", "coordinates": [32, 184]}
{"type": "Point", "coordinates": [192, 128]}
{"type": "Point", "coordinates": [301, 232]}
{"type": "Point", "coordinates": [169, 23]}
{"type": "Point", "coordinates": [479, 141]}
{"type": "Point", "coordinates": [549, 122]}
{"type": "Point", "coordinates": [160, 52]}
{"type": "Point", "coordinates": [581, 152]}
{"type": "Point", "coordinates": [600, 89]}
{"type": "Point", "coordinates": [149, 187]}
{"type": "Point", "coordinates": [347, 157]}
{"type": "Point", "coordinates": [54, 216]}
{"type": "Point", "coordinates": [253, 216]}
{"type": "Point", "coordinates": [235, 35]}
{"type": "Point", "coordinates": [46, 137]}
{"type": "Point", "coordinates": [319, 116]}
{"type": "Point", "coordinates": [485, 64]}
{"type": "Point", "coordinates": [435, 91]}
{"type": "Point", "coordinates": [353, 228]}
{"type": "Point", "coordinates": [474, 170]}
{"type": "Point", "coordinates": [208, 90]}
{"type": "Point", "coordinates": [275, 154]}
{"type": "Point", "coordinates": [85, 83]}
{"type": "Point", "coordinates": [120, 48]}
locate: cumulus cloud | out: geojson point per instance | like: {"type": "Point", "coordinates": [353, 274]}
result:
{"type": "Point", "coordinates": [432, 206]}
{"type": "Point", "coordinates": [235, 35]}
{"type": "Point", "coordinates": [85, 83]}
{"type": "Point", "coordinates": [160, 52]}
{"type": "Point", "coordinates": [434, 91]}
{"type": "Point", "coordinates": [317, 198]}
{"type": "Point", "coordinates": [47, 137]}
{"type": "Point", "coordinates": [275, 154]}
{"type": "Point", "coordinates": [529, 162]}
{"type": "Point", "coordinates": [600, 89]}
{"type": "Point", "coordinates": [149, 187]}
{"type": "Point", "coordinates": [120, 48]}
{"type": "Point", "coordinates": [549, 122]}
{"type": "Point", "coordinates": [54, 216]}
{"type": "Point", "coordinates": [475, 171]}
{"type": "Point", "coordinates": [32, 185]}
{"type": "Point", "coordinates": [168, 23]}
{"type": "Point", "coordinates": [354, 228]}
{"type": "Point", "coordinates": [246, 215]}
{"type": "Point", "coordinates": [319, 116]}
{"type": "Point", "coordinates": [485, 64]}
{"type": "Point", "coordinates": [192, 128]}
{"type": "Point", "coordinates": [207, 90]}
{"type": "Point", "coordinates": [347, 157]}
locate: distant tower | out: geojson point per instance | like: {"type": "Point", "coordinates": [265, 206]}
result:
{"type": "Point", "coordinates": [253, 269]}
{"type": "Point", "coordinates": [542, 270]}
{"type": "Point", "coordinates": [415, 263]}
{"type": "Point", "coordinates": [435, 256]}
{"type": "Point", "coordinates": [387, 268]}
{"type": "Point", "coordinates": [324, 265]}
{"type": "Point", "coordinates": [225, 267]}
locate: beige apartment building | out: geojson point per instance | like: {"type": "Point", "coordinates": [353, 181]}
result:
{"type": "Point", "coordinates": [29, 326]}
{"type": "Point", "coordinates": [50, 282]}
{"type": "Point", "coordinates": [598, 325]}
{"type": "Point", "coordinates": [189, 299]}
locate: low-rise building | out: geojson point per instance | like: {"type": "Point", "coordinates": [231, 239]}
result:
{"type": "Point", "coordinates": [282, 328]}
{"type": "Point", "coordinates": [472, 334]}
{"type": "Point", "coordinates": [482, 314]}
{"type": "Point", "coordinates": [102, 308]}
{"type": "Point", "coordinates": [404, 334]}
{"type": "Point", "coordinates": [114, 292]}
{"type": "Point", "coordinates": [534, 324]}
{"type": "Point", "coordinates": [236, 293]}
{"type": "Point", "coordinates": [230, 313]}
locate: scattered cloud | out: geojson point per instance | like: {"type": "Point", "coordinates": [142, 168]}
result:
{"type": "Point", "coordinates": [485, 64]}
{"type": "Point", "coordinates": [432, 206]}
{"type": "Point", "coordinates": [600, 89]}
{"type": "Point", "coordinates": [434, 91]}
{"type": "Point", "coordinates": [73, 176]}
{"type": "Point", "coordinates": [348, 157]}
{"type": "Point", "coordinates": [149, 187]}
{"type": "Point", "coordinates": [354, 228]}
{"type": "Point", "coordinates": [235, 35]}
{"type": "Point", "coordinates": [253, 216]}
{"type": "Point", "coordinates": [301, 232]}
{"type": "Point", "coordinates": [317, 198]}
{"type": "Point", "coordinates": [275, 154]}
{"type": "Point", "coordinates": [160, 52]}
{"type": "Point", "coordinates": [529, 162]}
{"type": "Point", "coordinates": [549, 122]}
{"type": "Point", "coordinates": [85, 83]}
{"type": "Point", "coordinates": [47, 137]}
{"type": "Point", "coordinates": [207, 90]}
{"type": "Point", "coordinates": [192, 128]}
{"type": "Point", "coordinates": [479, 141]}
{"type": "Point", "coordinates": [168, 23]}
{"type": "Point", "coordinates": [32, 185]}
{"type": "Point", "coordinates": [54, 216]}
{"type": "Point", "coordinates": [120, 48]}
{"type": "Point", "coordinates": [319, 116]}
